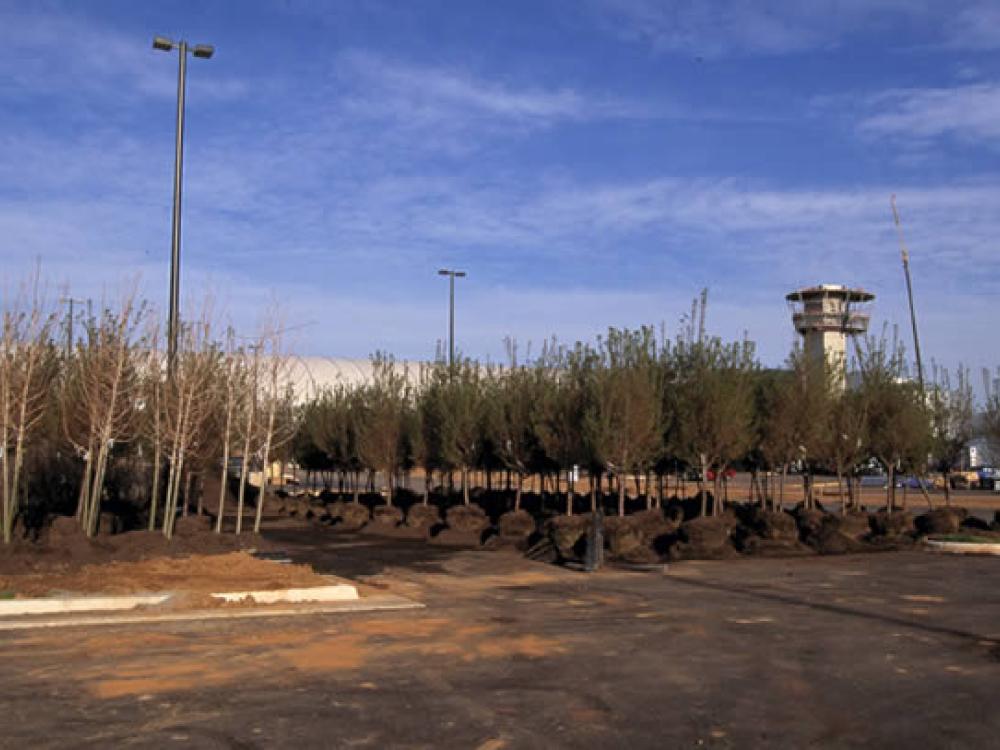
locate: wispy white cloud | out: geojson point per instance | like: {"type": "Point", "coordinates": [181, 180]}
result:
{"type": "Point", "coordinates": [970, 113]}
{"type": "Point", "coordinates": [756, 27]}
{"type": "Point", "coordinates": [58, 52]}
{"type": "Point", "coordinates": [454, 108]}
{"type": "Point", "coordinates": [974, 25]}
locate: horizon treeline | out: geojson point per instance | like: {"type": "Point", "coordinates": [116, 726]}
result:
{"type": "Point", "coordinates": [101, 424]}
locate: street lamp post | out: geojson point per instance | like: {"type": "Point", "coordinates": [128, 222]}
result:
{"type": "Point", "coordinates": [204, 51]}
{"type": "Point", "coordinates": [451, 274]}
{"type": "Point", "coordinates": [69, 323]}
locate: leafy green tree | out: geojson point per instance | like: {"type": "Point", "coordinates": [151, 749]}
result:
{"type": "Point", "coordinates": [382, 421]}
{"type": "Point", "coordinates": [951, 413]}
{"type": "Point", "coordinates": [622, 422]}
{"type": "Point", "coordinates": [714, 406]}
{"type": "Point", "coordinates": [899, 433]}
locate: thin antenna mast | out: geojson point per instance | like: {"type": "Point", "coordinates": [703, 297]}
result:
{"type": "Point", "coordinates": [909, 289]}
{"type": "Point", "coordinates": [701, 315]}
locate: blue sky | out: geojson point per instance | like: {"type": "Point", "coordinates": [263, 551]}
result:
{"type": "Point", "coordinates": [589, 163]}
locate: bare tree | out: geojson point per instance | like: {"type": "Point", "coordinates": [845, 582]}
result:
{"type": "Point", "coordinates": [100, 398]}
{"type": "Point", "coordinates": [187, 406]}
{"type": "Point", "coordinates": [28, 366]}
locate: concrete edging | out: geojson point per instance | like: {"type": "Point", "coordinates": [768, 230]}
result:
{"type": "Point", "coordinates": [963, 548]}
{"type": "Point", "coordinates": [368, 604]}
{"type": "Point", "coordinates": [338, 592]}
{"type": "Point", "coordinates": [59, 604]}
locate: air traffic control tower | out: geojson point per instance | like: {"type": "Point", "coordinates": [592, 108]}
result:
{"type": "Point", "coordinates": [826, 315]}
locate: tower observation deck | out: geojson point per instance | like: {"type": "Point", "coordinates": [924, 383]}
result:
{"type": "Point", "coordinates": [826, 315]}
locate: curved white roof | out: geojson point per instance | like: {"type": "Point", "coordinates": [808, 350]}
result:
{"type": "Point", "coordinates": [310, 375]}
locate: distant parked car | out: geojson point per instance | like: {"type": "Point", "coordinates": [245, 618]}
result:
{"type": "Point", "coordinates": [913, 482]}
{"type": "Point", "coordinates": [989, 478]}
{"type": "Point", "coordinates": [877, 481]}
{"type": "Point", "coordinates": [727, 474]}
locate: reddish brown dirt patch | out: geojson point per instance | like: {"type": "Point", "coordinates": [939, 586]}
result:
{"type": "Point", "coordinates": [236, 571]}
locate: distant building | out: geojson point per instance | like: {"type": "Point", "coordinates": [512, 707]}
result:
{"type": "Point", "coordinates": [310, 375]}
{"type": "Point", "coordinates": [825, 316]}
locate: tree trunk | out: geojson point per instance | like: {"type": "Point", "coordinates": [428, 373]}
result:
{"type": "Point", "coordinates": [621, 497]}
{"type": "Point", "coordinates": [946, 478]}
{"type": "Point", "coordinates": [517, 493]}
{"type": "Point", "coordinates": [781, 488]}
{"type": "Point", "coordinates": [465, 485]}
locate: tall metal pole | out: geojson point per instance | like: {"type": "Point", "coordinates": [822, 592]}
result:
{"type": "Point", "coordinates": [69, 330]}
{"type": "Point", "coordinates": [905, 253]}
{"type": "Point", "coordinates": [451, 274]}
{"type": "Point", "coordinates": [175, 237]}
{"type": "Point", "coordinates": [451, 321]}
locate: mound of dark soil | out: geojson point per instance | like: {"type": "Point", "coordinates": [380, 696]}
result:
{"type": "Point", "coordinates": [423, 516]}
{"type": "Point", "coordinates": [855, 524]}
{"type": "Point", "coordinates": [568, 534]}
{"type": "Point", "coordinates": [467, 518]}
{"type": "Point", "coordinates": [186, 526]}
{"type": "Point", "coordinates": [755, 545]}
{"type": "Point", "coordinates": [353, 516]}
{"type": "Point", "coordinates": [652, 524]}
{"type": "Point", "coordinates": [772, 525]}
{"type": "Point", "coordinates": [64, 546]}
{"type": "Point", "coordinates": [624, 536]}
{"type": "Point", "coordinates": [975, 524]}
{"type": "Point", "coordinates": [939, 521]}
{"type": "Point", "coordinates": [809, 521]}
{"type": "Point", "coordinates": [516, 525]}
{"type": "Point", "coordinates": [456, 538]}
{"type": "Point", "coordinates": [892, 525]}
{"type": "Point", "coordinates": [707, 537]}
{"type": "Point", "coordinates": [332, 511]}
{"type": "Point", "coordinates": [387, 515]}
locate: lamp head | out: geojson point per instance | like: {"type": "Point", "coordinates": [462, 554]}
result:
{"type": "Point", "coordinates": [204, 51]}
{"type": "Point", "coordinates": [162, 43]}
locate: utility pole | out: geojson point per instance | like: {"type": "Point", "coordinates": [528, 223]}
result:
{"type": "Point", "coordinates": [451, 274]}
{"type": "Point", "coordinates": [204, 51]}
{"type": "Point", "coordinates": [69, 323]}
{"type": "Point", "coordinates": [905, 254]}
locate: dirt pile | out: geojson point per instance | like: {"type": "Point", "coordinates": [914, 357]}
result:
{"type": "Point", "coordinates": [235, 571]}
{"type": "Point", "coordinates": [387, 515]}
{"type": "Point", "coordinates": [467, 518]}
{"type": "Point", "coordinates": [940, 521]}
{"type": "Point", "coordinates": [423, 516]}
{"type": "Point", "coordinates": [568, 535]}
{"type": "Point", "coordinates": [517, 525]}
{"type": "Point", "coordinates": [63, 546]}
{"type": "Point", "coordinates": [353, 516]}
{"type": "Point", "coordinates": [708, 537]}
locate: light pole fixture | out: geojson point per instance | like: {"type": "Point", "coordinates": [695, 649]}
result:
{"type": "Point", "coordinates": [69, 322]}
{"type": "Point", "coordinates": [204, 51]}
{"type": "Point", "coordinates": [452, 275]}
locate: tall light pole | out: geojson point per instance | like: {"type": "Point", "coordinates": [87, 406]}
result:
{"type": "Point", "coordinates": [204, 51]}
{"type": "Point", "coordinates": [451, 274]}
{"type": "Point", "coordinates": [69, 323]}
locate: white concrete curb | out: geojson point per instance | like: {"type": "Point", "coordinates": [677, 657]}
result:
{"type": "Point", "coordinates": [963, 548]}
{"type": "Point", "coordinates": [59, 604]}
{"type": "Point", "coordinates": [337, 593]}
{"type": "Point", "coordinates": [368, 604]}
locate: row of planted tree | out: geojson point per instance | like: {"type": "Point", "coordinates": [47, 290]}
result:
{"type": "Point", "coordinates": [105, 418]}
{"type": "Point", "coordinates": [636, 408]}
